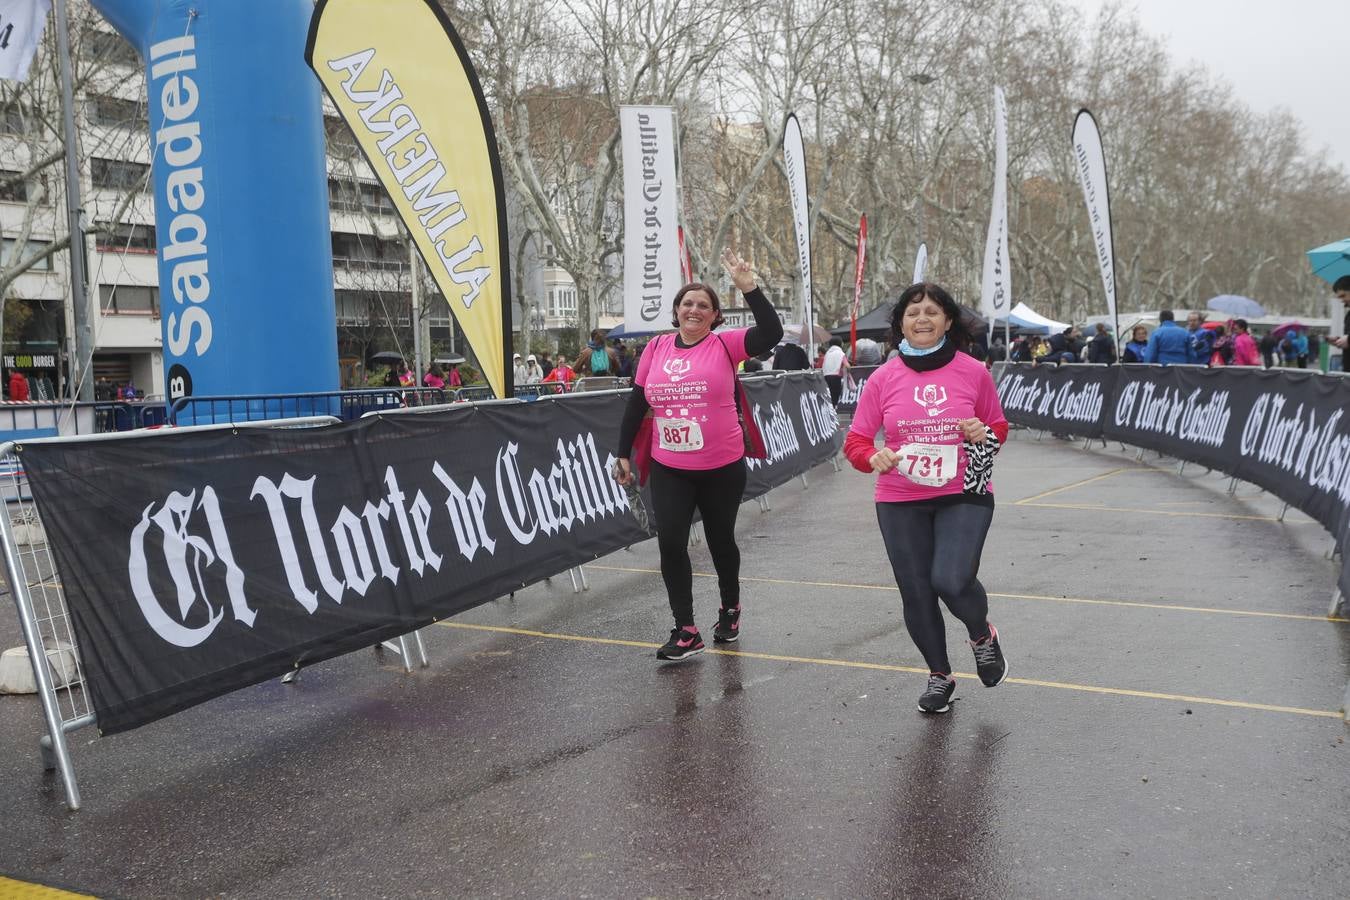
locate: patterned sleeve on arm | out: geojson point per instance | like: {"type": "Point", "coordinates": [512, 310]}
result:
{"type": "Point", "coordinates": [980, 464]}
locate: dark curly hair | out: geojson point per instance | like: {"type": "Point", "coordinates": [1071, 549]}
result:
{"type": "Point", "coordinates": [957, 334]}
{"type": "Point", "coordinates": [696, 286]}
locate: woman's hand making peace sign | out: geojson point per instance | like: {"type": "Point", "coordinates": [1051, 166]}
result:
{"type": "Point", "coordinates": [739, 269]}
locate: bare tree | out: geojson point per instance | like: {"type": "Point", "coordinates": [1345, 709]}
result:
{"type": "Point", "coordinates": [110, 116]}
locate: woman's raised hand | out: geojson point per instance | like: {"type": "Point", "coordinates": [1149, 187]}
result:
{"type": "Point", "coordinates": [739, 269]}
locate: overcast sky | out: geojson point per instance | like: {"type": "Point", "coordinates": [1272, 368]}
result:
{"type": "Point", "coordinates": [1290, 53]}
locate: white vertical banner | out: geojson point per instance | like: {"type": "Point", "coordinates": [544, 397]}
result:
{"type": "Point", "coordinates": [794, 163]}
{"type": "Point", "coordinates": [920, 264]}
{"type": "Point", "coordinates": [21, 24]}
{"type": "Point", "coordinates": [1090, 160]}
{"type": "Point", "coordinates": [651, 243]}
{"type": "Point", "coordinates": [996, 287]}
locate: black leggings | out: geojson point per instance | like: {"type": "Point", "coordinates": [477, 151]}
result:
{"type": "Point", "coordinates": [716, 494]}
{"type": "Point", "coordinates": [935, 552]}
{"type": "Point", "coordinates": [836, 385]}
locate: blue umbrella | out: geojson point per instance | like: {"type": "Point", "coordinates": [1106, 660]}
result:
{"type": "Point", "coordinates": [1242, 307]}
{"type": "Point", "coordinates": [1332, 261]}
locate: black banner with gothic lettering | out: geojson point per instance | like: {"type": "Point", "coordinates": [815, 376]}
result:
{"type": "Point", "coordinates": [800, 427]}
{"type": "Point", "coordinates": [198, 562]}
{"type": "Point", "coordinates": [853, 387]}
{"type": "Point", "coordinates": [1285, 431]}
{"type": "Point", "coordinates": [1062, 399]}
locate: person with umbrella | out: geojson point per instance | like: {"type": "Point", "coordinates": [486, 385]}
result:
{"type": "Point", "coordinates": [1294, 346]}
{"type": "Point", "coordinates": [1245, 351]}
{"type": "Point", "coordinates": [1342, 290]}
{"type": "Point", "coordinates": [1201, 338]}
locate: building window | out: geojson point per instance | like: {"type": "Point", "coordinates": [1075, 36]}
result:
{"type": "Point", "coordinates": [128, 300]}
{"type": "Point", "coordinates": [562, 302]}
{"type": "Point", "coordinates": [12, 187]}
{"type": "Point", "coordinates": [16, 118]}
{"type": "Point", "coordinates": [114, 112]}
{"type": "Point", "coordinates": [118, 174]}
{"type": "Point", "coordinates": [109, 46]}
{"type": "Point", "coordinates": [30, 250]}
{"type": "Point", "coordinates": [353, 307]}
{"type": "Point", "coordinates": [367, 252]}
{"type": "Point", "coordinates": [359, 196]}
{"type": "Point", "coordinates": [125, 238]}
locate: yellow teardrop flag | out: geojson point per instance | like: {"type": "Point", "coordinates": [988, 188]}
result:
{"type": "Point", "coordinates": [401, 79]}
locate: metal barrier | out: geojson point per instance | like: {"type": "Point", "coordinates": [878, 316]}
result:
{"type": "Point", "coordinates": [474, 394]}
{"type": "Point", "coordinates": [539, 389]}
{"type": "Point", "coordinates": [35, 584]}
{"type": "Point", "coordinates": [600, 383]}
{"type": "Point", "coordinates": [24, 420]}
{"type": "Point", "coordinates": [345, 405]}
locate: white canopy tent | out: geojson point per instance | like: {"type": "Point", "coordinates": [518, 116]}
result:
{"type": "Point", "coordinates": [1023, 313]}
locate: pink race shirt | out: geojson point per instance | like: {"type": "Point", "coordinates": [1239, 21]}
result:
{"type": "Point", "coordinates": [921, 412]}
{"type": "Point", "coordinates": [692, 395]}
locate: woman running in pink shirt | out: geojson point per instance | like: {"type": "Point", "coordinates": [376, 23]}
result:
{"type": "Point", "coordinates": [943, 424]}
{"type": "Point", "coordinates": [688, 382]}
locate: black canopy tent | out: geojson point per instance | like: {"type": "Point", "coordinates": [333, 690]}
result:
{"type": "Point", "coordinates": [875, 324]}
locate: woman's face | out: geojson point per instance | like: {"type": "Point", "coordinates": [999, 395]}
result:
{"type": "Point", "coordinates": [1140, 334]}
{"type": "Point", "coordinates": [696, 313]}
{"type": "Point", "coordinates": [924, 323]}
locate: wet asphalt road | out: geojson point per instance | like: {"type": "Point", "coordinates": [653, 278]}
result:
{"type": "Point", "coordinates": [1151, 621]}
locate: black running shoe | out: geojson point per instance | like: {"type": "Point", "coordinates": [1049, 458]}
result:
{"type": "Point", "coordinates": [682, 645]}
{"type": "Point", "coordinates": [728, 626]}
{"type": "Point", "coordinates": [989, 661]}
{"type": "Point", "coordinates": [936, 698]}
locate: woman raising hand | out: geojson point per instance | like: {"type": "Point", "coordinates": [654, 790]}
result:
{"type": "Point", "coordinates": [688, 381]}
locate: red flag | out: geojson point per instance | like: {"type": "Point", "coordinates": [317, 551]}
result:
{"type": "Point", "coordinates": [857, 286]}
{"type": "Point", "coordinates": [686, 262]}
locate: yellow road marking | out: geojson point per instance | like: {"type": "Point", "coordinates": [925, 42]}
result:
{"type": "Point", "coordinates": [892, 589]}
{"type": "Point", "coordinates": [1067, 487]}
{"type": "Point", "coordinates": [885, 667]}
{"type": "Point", "coordinates": [1163, 512]}
{"type": "Point", "coordinates": [12, 889]}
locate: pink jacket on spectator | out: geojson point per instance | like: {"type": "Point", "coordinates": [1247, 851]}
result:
{"type": "Point", "coordinates": [1245, 352]}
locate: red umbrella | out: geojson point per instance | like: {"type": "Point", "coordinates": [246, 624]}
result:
{"type": "Point", "coordinates": [1212, 325]}
{"type": "Point", "coordinates": [1280, 331]}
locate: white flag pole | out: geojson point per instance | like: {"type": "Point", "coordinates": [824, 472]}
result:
{"type": "Point", "coordinates": [794, 162]}
{"type": "Point", "coordinates": [651, 255]}
{"type": "Point", "coordinates": [1090, 161]}
{"type": "Point", "coordinates": [996, 286]}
